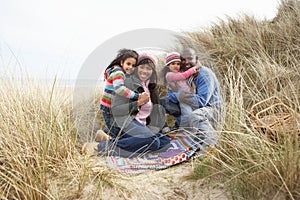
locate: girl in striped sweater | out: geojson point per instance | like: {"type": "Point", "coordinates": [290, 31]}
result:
{"type": "Point", "coordinates": [114, 74]}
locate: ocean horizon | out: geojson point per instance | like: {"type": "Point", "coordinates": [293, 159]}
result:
{"type": "Point", "coordinates": [61, 82]}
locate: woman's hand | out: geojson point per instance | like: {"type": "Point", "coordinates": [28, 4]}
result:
{"type": "Point", "coordinates": [143, 99]}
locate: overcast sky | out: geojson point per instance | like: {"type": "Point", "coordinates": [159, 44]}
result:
{"type": "Point", "coordinates": [54, 37]}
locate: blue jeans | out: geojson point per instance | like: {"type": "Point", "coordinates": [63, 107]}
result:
{"type": "Point", "coordinates": [172, 109]}
{"type": "Point", "coordinates": [138, 139]}
{"type": "Point", "coordinates": [113, 131]}
{"type": "Point", "coordinates": [186, 111]}
{"type": "Point", "coordinates": [206, 120]}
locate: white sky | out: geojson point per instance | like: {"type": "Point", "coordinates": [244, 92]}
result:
{"type": "Point", "coordinates": [54, 37]}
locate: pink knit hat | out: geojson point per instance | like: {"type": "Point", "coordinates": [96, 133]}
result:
{"type": "Point", "coordinates": [172, 57]}
{"type": "Point", "coordinates": [143, 57]}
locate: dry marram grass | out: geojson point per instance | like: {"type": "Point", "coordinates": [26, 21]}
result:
{"type": "Point", "coordinates": [40, 143]}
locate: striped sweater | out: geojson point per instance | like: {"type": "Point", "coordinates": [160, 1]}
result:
{"type": "Point", "coordinates": [114, 84]}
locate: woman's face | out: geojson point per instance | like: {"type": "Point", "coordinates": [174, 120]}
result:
{"type": "Point", "coordinates": [144, 72]}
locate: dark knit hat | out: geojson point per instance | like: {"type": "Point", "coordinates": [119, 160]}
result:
{"type": "Point", "coordinates": [172, 57]}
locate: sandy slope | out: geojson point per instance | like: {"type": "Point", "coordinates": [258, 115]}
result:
{"type": "Point", "coordinates": [171, 183]}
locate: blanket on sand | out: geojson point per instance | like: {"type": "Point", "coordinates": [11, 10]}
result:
{"type": "Point", "coordinates": [182, 148]}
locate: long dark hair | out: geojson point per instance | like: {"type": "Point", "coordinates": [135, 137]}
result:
{"type": "Point", "coordinates": [122, 55]}
{"type": "Point", "coordinates": [163, 73]}
{"type": "Point", "coordinates": [152, 81]}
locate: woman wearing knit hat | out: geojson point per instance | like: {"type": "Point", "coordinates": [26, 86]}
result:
{"type": "Point", "coordinates": [137, 137]}
{"type": "Point", "coordinates": [176, 78]}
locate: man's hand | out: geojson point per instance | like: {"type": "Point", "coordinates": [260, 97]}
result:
{"type": "Point", "coordinates": [197, 66]}
{"type": "Point", "coordinates": [187, 98]}
{"type": "Point", "coordinates": [174, 88]}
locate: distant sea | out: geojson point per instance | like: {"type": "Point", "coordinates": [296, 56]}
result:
{"type": "Point", "coordinates": [71, 82]}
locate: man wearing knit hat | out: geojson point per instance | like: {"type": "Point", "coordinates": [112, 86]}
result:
{"type": "Point", "coordinates": [206, 100]}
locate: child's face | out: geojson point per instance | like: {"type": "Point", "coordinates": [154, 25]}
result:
{"type": "Point", "coordinates": [174, 66]}
{"type": "Point", "coordinates": [128, 65]}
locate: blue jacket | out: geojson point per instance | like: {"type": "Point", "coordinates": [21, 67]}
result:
{"type": "Point", "coordinates": [207, 91]}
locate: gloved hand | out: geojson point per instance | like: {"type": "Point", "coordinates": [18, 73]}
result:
{"type": "Point", "coordinates": [188, 99]}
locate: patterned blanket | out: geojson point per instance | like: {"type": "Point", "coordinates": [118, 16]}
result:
{"type": "Point", "coordinates": [182, 148]}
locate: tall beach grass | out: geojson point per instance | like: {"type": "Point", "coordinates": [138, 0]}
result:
{"type": "Point", "coordinates": [39, 149]}
{"type": "Point", "coordinates": [40, 138]}
{"type": "Point", "coordinates": [256, 60]}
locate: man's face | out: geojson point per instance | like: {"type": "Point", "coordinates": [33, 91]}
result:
{"type": "Point", "coordinates": [188, 61]}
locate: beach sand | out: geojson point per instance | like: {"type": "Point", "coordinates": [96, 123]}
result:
{"type": "Point", "coordinates": [170, 183]}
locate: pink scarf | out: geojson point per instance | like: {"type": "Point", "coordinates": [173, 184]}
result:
{"type": "Point", "coordinates": [145, 109]}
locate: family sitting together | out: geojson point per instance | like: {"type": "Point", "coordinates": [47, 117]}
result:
{"type": "Point", "coordinates": [135, 115]}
